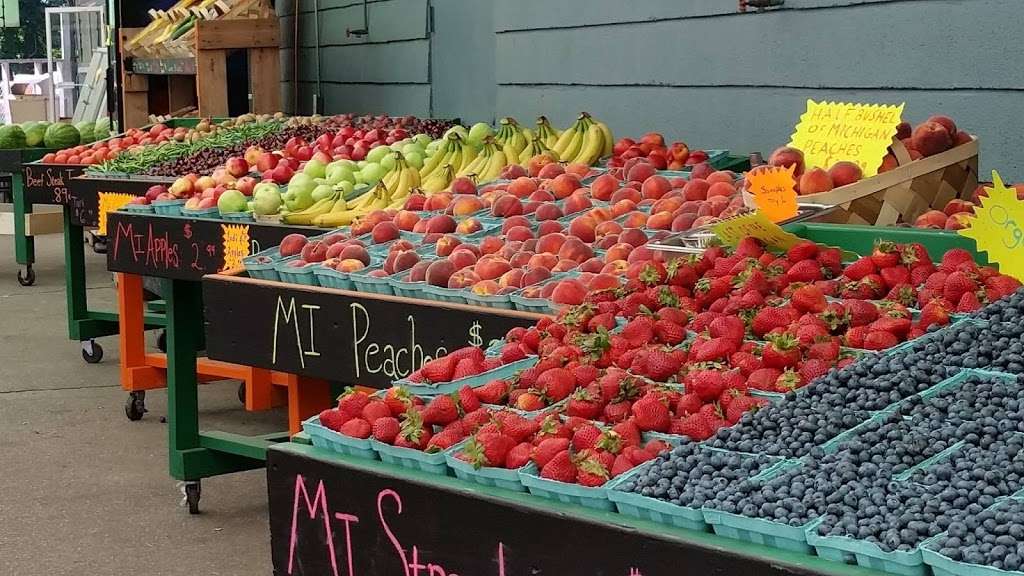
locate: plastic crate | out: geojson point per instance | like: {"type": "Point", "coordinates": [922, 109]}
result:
{"type": "Point", "coordinates": [503, 301]}
{"type": "Point", "coordinates": [861, 239]}
{"type": "Point", "coordinates": [330, 278]}
{"type": "Point", "coordinates": [205, 213]}
{"type": "Point", "coordinates": [589, 497]}
{"type": "Point", "coordinates": [238, 217]}
{"type": "Point", "coordinates": [503, 371]}
{"type": "Point", "coordinates": [431, 463]}
{"type": "Point", "coordinates": [486, 476]}
{"type": "Point", "coordinates": [849, 550]}
{"type": "Point", "coordinates": [327, 439]}
{"type": "Point", "coordinates": [758, 531]}
{"type": "Point", "coordinates": [943, 566]}
{"type": "Point", "coordinates": [295, 275]}
{"type": "Point", "coordinates": [363, 282]}
{"type": "Point", "coordinates": [139, 208]}
{"type": "Point", "coordinates": [441, 294]}
{"type": "Point", "coordinates": [408, 289]}
{"type": "Point", "coordinates": [263, 270]}
{"type": "Point", "coordinates": [647, 508]}
{"type": "Point", "coordinates": [168, 207]}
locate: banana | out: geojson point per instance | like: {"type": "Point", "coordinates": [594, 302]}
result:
{"type": "Point", "coordinates": [593, 144]}
{"type": "Point", "coordinates": [495, 164]}
{"type": "Point", "coordinates": [477, 164]}
{"type": "Point", "coordinates": [305, 217]}
{"type": "Point", "coordinates": [575, 144]}
{"type": "Point", "coordinates": [511, 154]}
{"type": "Point", "coordinates": [536, 148]}
{"type": "Point", "coordinates": [337, 219]}
{"type": "Point", "coordinates": [548, 133]}
{"type": "Point", "coordinates": [438, 159]}
{"type": "Point", "coordinates": [609, 140]}
{"type": "Point", "coordinates": [439, 180]}
{"type": "Point", "coordinates": [563, 140]}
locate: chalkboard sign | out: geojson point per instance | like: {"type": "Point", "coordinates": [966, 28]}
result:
{"type": "Point", "coordinates": [49, 183]}
{"type": "Point", "coordinates": [351, 337]}
{"type": "Point", "coordinates": [331, 516]}
{"type": "Point", "coordinates": [86, 191]}
{"type": "Point", "coordinates": [186, 248]}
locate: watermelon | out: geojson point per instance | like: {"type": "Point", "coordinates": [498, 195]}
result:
{"type": "Point", "coordinates": [61, 135]}
{"type": "Point", "coordinates": [101, 131]}
{"type": "Point", "coordinates": [85, 130]}
{"type": "Point", "coordinates": [34, 132]}
{"type": "Point", "coordinates": [103, 124]}
{"type": "Point", "coordinates": [12, 136]}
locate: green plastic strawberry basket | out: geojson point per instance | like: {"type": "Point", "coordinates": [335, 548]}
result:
{"type": "Point", "coordinates": [363, 282]}
{"type": "Point", "coordinates": [327, 439]}
{"type": "Point", "coordinates": [595, 498]}
{"type": "Point", "coordinates": [294, 274]}
{"type": "Point", "coordinates": [647, 508]}
{"type": "Point", "coordinates": [503, 478]}
{"type": "Point", "coordinates": [475, 381]}
{"type": "Point", "coordinates": [429, 462]}
{"type": "Point", "coordinates": [848, 550]}
{"type": "Point", "coordinates": [942, 565]}
{"type": "Point", "coordinates": [861, 239]}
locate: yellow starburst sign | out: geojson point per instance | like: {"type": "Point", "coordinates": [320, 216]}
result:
{"type": "Point", "coordinates": [829, 132]}
{"type": "Point", "coordinates": [236, 245]}
{"type": "Point", "coordinates": [110, 202]}
{"type": "Point", "coordinates": [774, 192]}
{"type": "Point", "coordinates": [997, 226]}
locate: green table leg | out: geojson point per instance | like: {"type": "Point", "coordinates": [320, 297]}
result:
{"type": "Point", "coordinates": [74, 276]}
{"type": "Point", "coordinates": [24, 246]}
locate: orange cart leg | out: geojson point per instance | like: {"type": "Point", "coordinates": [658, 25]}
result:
{"type": "Point", "coordinates": [136, 374]}
{"type": "Point", "coordinates": [306, 397]}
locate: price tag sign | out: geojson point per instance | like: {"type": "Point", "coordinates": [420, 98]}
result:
{"type": "Point", "coordinates": [997, 227]}
{"type": "Point", "coordinates": [109, 202]}
{"type": "Point", "coordinates": [756, 224]}
{"type": "Point", "coordinates": [236, 245]}
{"type": "Point", "coordinates": [774, 192]}
{"type": "Point", "coordinates": [829, 132]}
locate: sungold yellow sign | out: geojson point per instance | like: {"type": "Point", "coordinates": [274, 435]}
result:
{"type": "Point", "coordinates": [997, 226]}
{"type": "Point", "coordinates": [109, 202]}
{"type": "Point", "coordinates": [755, 224]}
{"type": "Point", "coordinates": [829, 132]}
{"type": "Point", "coordinates": [774, 192]}
{"type": "Point", "coordinates": [236, 244]}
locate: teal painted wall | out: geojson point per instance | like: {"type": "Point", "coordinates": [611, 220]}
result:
{"type": "Point", "coordinates": [696, 70]}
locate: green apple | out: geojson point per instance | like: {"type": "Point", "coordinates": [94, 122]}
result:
{"type": "Point", "coordinates": [414, 159]}
{"type": "Point", "coordinates": [388, 162]}
{"type": "Point", "coordinates": [423, 140]}
{"type": "Point", "coordinates": [232, 201]}
{"type": "Point", "coordinates": [478, 132]}
{"type": "Point", "coordinates": [322, 191]}
{"type": "Point", "coordinates": [315, 168]}
{"type": "Point", "coordinates": [345, 187]}
{"type": "Point", "coordinates": [340, 172]}
{"type": "Point", "coordinates": [377, 154]}
{"type": "Point", "coordinates": [301, 182]}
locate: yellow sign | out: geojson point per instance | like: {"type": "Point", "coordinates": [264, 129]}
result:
{"type": "Point", "coordinates": [109, 202]}
{"type": "Point", "coordinates": [829, 132]}
{"type": "Point", "coordinates": [774, 193]}
{"type": "Point", "coordinates": [756, 224]}
{"type": "Point", "coordinates": [236, 245]}
{"type": "Point", "coordinates": [997, 226]}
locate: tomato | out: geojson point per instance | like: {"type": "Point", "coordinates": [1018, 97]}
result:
{"type": "Point", "coordinates": [49, 158]}
{"type": "Point", "coordinates": [74, 159]}
{"type": "Point", "coordinates": [127, 141]}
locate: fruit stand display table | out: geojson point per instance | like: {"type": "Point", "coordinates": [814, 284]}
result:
{"type": "Point", "coordinates": [184, 249]}
{"type": "Point", "coordinates": [18, 219]}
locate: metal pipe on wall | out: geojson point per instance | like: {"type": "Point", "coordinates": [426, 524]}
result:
{"type": "Point", "coordinates": [295, 59]}
{"type": "Point", "coordinates": [317, 98]}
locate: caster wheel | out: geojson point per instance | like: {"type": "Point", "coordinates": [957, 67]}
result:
{"type": "Point", "coordinates": [135, 406]}
{"type": "Point", "coordinates": [27, 279]}
{"type": "Point", "coordinates": [99, 245]}
{"type": "Point", "coordinates": [161, 341]}
{"type": "Point", "coordinates": [92, 352]}
{"type": "Point", "coordinates": [193, 492]}
{"type": "Point", "coordinates": [241, 393]}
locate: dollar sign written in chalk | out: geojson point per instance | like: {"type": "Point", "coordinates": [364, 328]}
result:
{"type": "Point", "coordinates": [474, 335]}
{"type": "Point", "coordinates": [188, 231]}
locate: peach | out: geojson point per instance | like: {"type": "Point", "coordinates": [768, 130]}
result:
{"type": "Point", "coordinates": [334, 250]}
{"type": "Point", "coordinates": [520, 259]}
{"type": "Point", "coordinates": [635, 220]}
{"type": "Point", "coordinates": [606, 228]}
{"type": "Point", "coordinates": [655, 187]}
{"type": "Point", "coordinates": [446, 245]}
{"type": "Point", "coordinates": [349, 265]}
{"type": "Point", "coordinates": [660, 221]}
{"type": "Point", "coordinates": [786, 157]}
{"type": "Point", "coordinates": [530, 245]}
{"type": "Point", "coordinates": [957, 205]}
{"type": "Point", "coordinates": [506, 205]}
{"type": "Point", "coordinates": [931, 138]}
{"type": "Point", "coordinates": [701, 170]}
{"type": "Point", "coordinates": [600, 214]}
{"type": "Point", "coordinates": [619, 251]}
{"type": "Point", "coordinates": [888, 163]}
{"type": "Point", "coordinates": [576, 250]}
{"type": "Point", "coordinates": [578, 201]}
{"type": "Point", "coordinates": [592, 265]}
{"type": "Point", "coordinates": [464, 205]}
{"type": "Point", "coordinates": [640, 254]}
{"type": "Point", "coordinates": [535, 274]}
{"type": "Point", "coordinates": [603, 281]}
{"type": "Point", "coordinates": [931, 219]}
{"type": "Point", "coordinates": [718, 203]}
{"type": "Point", "coordinates": [437, 201]}
{"type": "Point", "coordinates": [522, 187]}
{"type": "Point", "coordinates": [569, 292]}
{"type": "Point", "coordinates": [519, 233]}
{"type": "Point", "coordinates": [491, 267]}
{"type": "Point", "coordinates": [462, 278]}
{"type": "Point", "coordinates": [727, 176]}
{"type": "Point", "coordinates": [513, 277]}
{"type": "Point", "coordinates": [607, 242]}
{"type": "Point", "coordinates": [431, 238]}
{"type": "Point", "coordinates": [533, 292]}
{"type": "Point", "coordinates": [844, 173]}
{"type": "Point", "coordinates": [690, 206]}
{"type": "Point", "coordinates": [667, 205]}
{"type": "Point", "coordinates": [903, 130]}
{"type": "Point", "coordinates": [958, 221]}
{"type": "Point", "coordinates": [509, 223]}
{"type": "Point", "coordinates": [604, 186]}
{"type": "Point", "coordinates": [420, 227]}
{"type": "Point", "coordinates": [418, 273]}
{"type": "Point", "coordinates": [565, 265]}
{"type": "Point", "coordinates": [705, 209]}
{"type": "Point", "coordinates": [463, 185]}
{"type": "Point", "coordinates": [544, 260]}
{"type": "Point", "coordinates": [946, 122]}
{"type": "Point", "coordinates": [406, 220]}
{"type": "Point", "coordinates": [814, 181]}
{"type": "Point", "coordinates": [551, 243]}
{"type": "Point", "coordinates": [683, 222]}
{"type": "Point", "coordinates": [721, 189]}
{"type": "Point", "coordinates": [315, 251]}
{"type": "Point", "coordinates": [550, 170]}
{"type": "Point", "coordinates": [548, 211]}
{"type": "Point", "coordinates": [415, 202]}
{"type": "Point", "coordinates": [400, 245]}
{"type": "Point", "coordinates": [442, 223]}
{"type": "Point", "coordinates": [439, 271]}
{"type": "Point", "coordinates": [406, 260]}
{"type": "Point", "coordinates": [549, 227]}
{"type": "Point", "coordinates": [461, 257]}
{"type": "Point", "coordinates": [583, 227]}
{"type": "Point", "coordinates": [333, 239]}
{"type": "Point", "coordinates": [564, 184]}
{"type": "Point", "coordinates": [962, 138]}
{"type": "Point", "coordinates": [627, 193]}
{"type": "Point", "coordinates": [491, 244]}
{"type": "Point", "coordinates": [696, 189]}
{"type": "Point", "coordinates": [541, 196]}
{"type": "Point", "coordinates": [486, 287]}
{"type": "Point", "coordinates": [641, 171]}
{"type": "Point", "coordinates": [616, 267]}
{"type": "Point", "coordinates": [469, 226]}
{"type": "Point", "coordinates": [509, 249]}
{"type": "Point", "coordinates": [624, 206]}
{"type": "Point", "coordinates": [355, 252]}
{"type": "Point", "coordinates": [292, 244]}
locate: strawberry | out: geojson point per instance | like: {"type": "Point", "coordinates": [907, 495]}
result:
{"type": "Point", "coordinates": [763, 378]}
{"type": "Point", "coordinates": [628, 433]}
{"type": "Point", "coordinates": [439, 369]}
{"type": "Point", "coordinates": [605, 320]}
{"type": "Point", "coordinates": [547, 449]}
{"type": "Point", "coordinates": [635, 302]}
{"type": "Point", "coordinates": [808, 299]}
{"type": "Point", "coordinates": [826, 350]}
{"type": "Point", "coordinates": [621, 465]}
{"type": "Point", "coordinates": [804, 271]}
{"type": "Point", "coordinates": [920, 273]}
{"type": "Point", "coordinates": [352, 402]}
{"type": "Point", "coordinates": [471, 352]}
{"type": "Point", "coordinates": [749, 247]}
{"type": "Point", "coordinates": [807, 334]}
{"type": "Point", "coordinates": [854, 337]}
{"type": "Point", "coordinates": [442, 410]}
{"type": "Point", "coordinates": [893, 276]}
{"type": "Point", "coordinates": [1002, 285]}
{"type": "Point", "coordinates": [494, 392]}
{"type": "Point", "coordinates": [530, 340]}
{"type": "Point", "coordinates": [356, 428]}
{"type": "Point", "coordinates": [745, 361]}
{"type": "Point", "coordinates": [518, 456]}
{"type": "Point", "coordinates": [669, 332]}
{"type": "Point", "coordinates": [616, 411]}
{"type": "Point", "coordinates": [652, 273]}
{"type": "Point", "coordinates": [933, 314]}
{"type": "Point", "coordinates": [511, 352]}
{"type": "Point", "coordinates": [474, 420]}
{"type": "Point", "coordinates": [885, 254]}
{"type": "Point", "coordinates": [585, 374]}
{"type": "Point", "coordinates": [831, 259]}
{"type": "Point", "coordinates": [802, 250]}
{"type": "Point", "coordinates": [467, 400]}
{"type": "Point", "coordinates": [872, 286]}
{"type": "Point", "coordinates": [694, 426]}
{"type": "Point", "coordinates": [332, 419]}
{"type": "Point", "coordinates": [488, 449]}
{"type": "Point", "coordinates": [414, 434]}
{"type": "Point", "coordinates": [898, 326]}
{"type": "Point", "coordinates": [727, 327]}
{"type": "Point", "coordinates": [584, 404]}
{"type": "Point", "coordinates": [813, 368]}
{"type": "Point", "coordinates": [586, 436]}
{"type": "Point", "coordinates": [860, 268]}
{"type": "Point", "coordinates": [782, 351]}
{"type": "Point", "coordinates": [660, 365]}
{"type": "Point", "coordinates": [444, 440]}
{"type": "Point", "coordinates": [788, 381]}
{"type": "Point", "coordinates": [559, 468]}
{"type": "Point", "coordinates": [556, 384]}
{"type": "Point", "coordinates": [705, 384]}
{"type": "Point", "coordinates": [375, 409]}
{"type": "Point", "coordinates": [879, 340]}
{"type": "Point", "coordinates": [915, 254]}
{"type": "Point", "coordinates": [529, 402]}
{"type": "Point", "coordinates": [639, 331]}
{"type": "Point", "coordinates": [768, 319]}
{"type": "Point", "coordinates": [706, 291]}
{"type": "Point", "coordinates": [968, 303]}
{"type": "Point", "coordinates": [905, 294]}
{"type": "Point", "coordinates": [386, 429]}
{"type": "Point", "coordinates": [860, 312]}
{"type": "Point", "coordinates": [398, 400]}
{"type": "Point", "coordinates": [739, 407]}
{"type": "Point", "coordinates": [715, 349]}
{"type": "Point", "coordinates": [655, 447]}
{"type": "Point", "coordinates": [517, 427]}
{"type": "Point", "coordinates": [590, 472]}
{"type": "Point", "coordinates": [651, 414]}
{"type": "Point", "coordinates": [952, 259]}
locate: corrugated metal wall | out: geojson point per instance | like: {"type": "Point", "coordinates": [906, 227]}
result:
{"type": "Point", "coordinates": [697, 69]}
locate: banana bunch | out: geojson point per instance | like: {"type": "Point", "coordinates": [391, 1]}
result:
{"type": "Point", "coordinates": [438, 180]}
{"type": "Point", "coordinates": [536, 148]}
{"type": "Point", "coordinates": [585, 142]}
{"type": "Point", "coordinates": [454, 152]}
{"type": "Point", "coordinates": [317, 209]}
{"type": "Point", "coordinates": [489, 162]}
{"type": "Point", "coordinates": [510, 137]}
{"type": "Point", "coordinates": [390, 192]}
{"type": "Point", "coordinates": [546, 132]}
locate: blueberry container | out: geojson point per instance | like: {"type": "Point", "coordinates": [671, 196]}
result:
{"type": "Point", "coordinates": [431, 463]}
{"type": "Point", "coordinates": [849, 550]}
{"type": "Point", "coordinates": [168, 207]}
{"type": "Point", "coordinates": [295, 275]}
{"type": "Point", "coordinates": [589, 497]}
{"type": "Point", "coordinates": [327, 439]}
{"type": "Point", "coordinates": [485, 476]}
{"type": "Point", "coordinates": [647, 508]}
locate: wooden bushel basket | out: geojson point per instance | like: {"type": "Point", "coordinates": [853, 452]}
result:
{"type": "Point", "coordinates": [903, 193]}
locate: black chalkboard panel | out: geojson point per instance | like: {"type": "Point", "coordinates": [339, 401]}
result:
{"type": "Point", "coordinates": [186, 248]}
{"type": "Point", "coordinates": [84, 202]}
{"type": "Point", "coordinates": [350, 337]}
{"type": "Point", "coordinates": [49, 183]}
{"type": "Point", "coordinates": [336, 517]}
